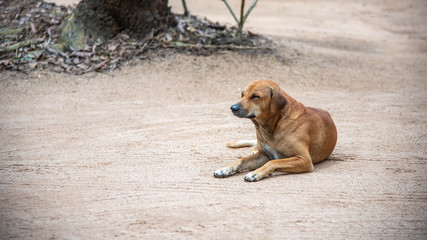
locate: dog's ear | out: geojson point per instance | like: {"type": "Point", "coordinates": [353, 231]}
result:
{"type": "Point", "coordinates": [278, 101]}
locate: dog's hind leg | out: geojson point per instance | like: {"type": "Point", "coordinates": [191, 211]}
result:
{"type": "Point", "coordinates": [242, 144]}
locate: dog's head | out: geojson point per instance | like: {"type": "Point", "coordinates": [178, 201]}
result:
{"type": "Point", "coordinates": [260, 99]}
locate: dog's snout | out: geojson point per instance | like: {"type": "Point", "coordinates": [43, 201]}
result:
{"type": "Point", "coordinates": [235, 108]}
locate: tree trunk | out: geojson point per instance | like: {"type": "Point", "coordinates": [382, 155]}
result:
{"type": "Point", "coordinates": [100, 20]}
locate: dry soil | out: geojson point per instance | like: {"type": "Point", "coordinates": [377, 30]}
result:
{"type": "Point", "coordinates": [131, 154]}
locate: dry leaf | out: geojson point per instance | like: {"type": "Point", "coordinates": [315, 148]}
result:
{"type": "Point", "coordinates": [112, 47]}
{"type": "Point", "coordinates": [82, 66]}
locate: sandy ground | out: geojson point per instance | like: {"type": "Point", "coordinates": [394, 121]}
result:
{"type": "Point", "coordinates": [131, 154]}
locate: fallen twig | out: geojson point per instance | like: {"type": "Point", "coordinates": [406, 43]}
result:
{"type": "Point", "coordinates": [102, 64]}
{"type": "Point", "coordinates": [57, 52]}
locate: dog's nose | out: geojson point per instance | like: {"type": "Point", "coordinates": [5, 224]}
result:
{"type": "Point", "coordinates": [235, 108]}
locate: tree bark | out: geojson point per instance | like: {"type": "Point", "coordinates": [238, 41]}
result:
{"type": "Point", "coordinates": [100, 20]}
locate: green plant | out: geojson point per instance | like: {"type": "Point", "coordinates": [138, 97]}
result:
{"type": "Point", "coordinates": [243, 16]}
{"type": "Point", "coordinates": [184, 5]}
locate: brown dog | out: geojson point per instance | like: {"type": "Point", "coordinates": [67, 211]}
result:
{"type": "Point", "coordinates": [290, 137]}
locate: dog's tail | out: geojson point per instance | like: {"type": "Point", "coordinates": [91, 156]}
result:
{"type": "Point", "coordinates": [242, 144]}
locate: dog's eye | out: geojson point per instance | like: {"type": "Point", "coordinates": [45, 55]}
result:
{"type": "Point", "coordinates": [255, 96]}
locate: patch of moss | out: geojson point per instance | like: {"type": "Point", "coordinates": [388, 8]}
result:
{"type": "Point", "coordinates": [72, 34]}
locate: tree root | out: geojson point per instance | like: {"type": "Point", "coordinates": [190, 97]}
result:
{"type": "Point", "coordinates": [19, 45]}
{"type": "Point", "coordinates": [7, 32]}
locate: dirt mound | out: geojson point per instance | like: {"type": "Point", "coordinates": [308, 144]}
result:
{"type": "Point", "coordinates": [30, 31]}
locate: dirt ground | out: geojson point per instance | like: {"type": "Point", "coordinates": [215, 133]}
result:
{"type": "Point", "coordinates": [131, 154]}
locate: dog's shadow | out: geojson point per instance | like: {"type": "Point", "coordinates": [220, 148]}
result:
{"type": "Point", "coordinates": [333, 160]}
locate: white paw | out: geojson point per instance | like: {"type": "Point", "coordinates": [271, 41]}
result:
{"type": "Point", "coordinates": [252, 177]}
{"type": "Point", "coordinates": [224, 172]}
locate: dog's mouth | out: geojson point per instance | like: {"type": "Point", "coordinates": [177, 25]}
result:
{"type": "Point", "coordinates": [250, 116]}
{"type": "Point", "coordinates": [240, 112]}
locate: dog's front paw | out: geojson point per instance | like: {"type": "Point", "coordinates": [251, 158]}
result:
{"type": "Point", "coordinates": [224, 172]}
{"type": "Point", "coordinates": [252, 177]}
